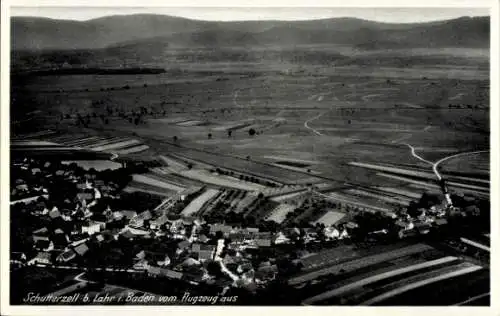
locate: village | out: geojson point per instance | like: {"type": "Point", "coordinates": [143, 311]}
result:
{"type": "Point", "coordinates": [82, 220]}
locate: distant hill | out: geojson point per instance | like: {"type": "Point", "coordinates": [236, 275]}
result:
{"type": "Point", "coordinates": [28, 33]}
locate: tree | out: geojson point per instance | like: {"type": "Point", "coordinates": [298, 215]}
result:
{"type": "Point", "coordinates": [175, 139]}
{"type": "Point", "coordinates": [229, 133]}
{"type": "Point", "coordinates": [209, 135]}
{"type": "Point", "coordinates": [251, 132]}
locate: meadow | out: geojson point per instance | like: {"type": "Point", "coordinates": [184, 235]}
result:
{"type": "Point", "coordinates": [243, 115]}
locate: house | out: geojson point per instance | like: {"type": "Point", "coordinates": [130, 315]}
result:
{"type": "Point", "coordinates": [227, 260]}
{"type": "Point", "coordinates": [190, 262]}
{"type": "Point", "coordinates": [40, 234]}
{"type": "Point", "coordinates": [205, 252]}
{"type": "Point", "coordinates": [59, 172]}
{"type": "Point", "coordinates": [142, 265]}
{"type": "Point", "coordinates": [101, 218]}
{"type": "Point", "coordinates": [136, 232]}
{"type": "Point", "coordinates": [66, 256]}
{"type": "Point", "coordinates": [141, 255]}
{"type": "Point", "coordinates": [244, 267]}
{"type": "Point", "coordinates": [175, 225]}
{"type": "Point", "coordinates": [81, 249]}
{"type": "Point", "coordinates": [331, 232]}
{"type": "Point", "coordinates": [440, 222]}
{"type": "Point", "coordinates": [77, 240]}
{"type": "Point", "coordinates": [41, 258]}
{"type": "Point", "coordinates": [127, 234]}
{"type": "Point", "coordinates": [172, 274]}
{"type": "Point", "coordinates": [423, 227]}
{"type": "Point", "coordinates": [343, 234]}
{"type": "Point", "coordinates": [240, 237]}
{"type": "Point", "coordinates": [164, 262]}
{"type": "Point", "coordinates": [84, 196]}
{"type": "Point", "coordinates": [252, 230]}
{"type": "Point", "coordinates": [99, 183]}
{"type": "Point", "coordinates": [203, 238]}
{"type": "Point", "coordinates": [139, 220]}
{"type": "Point", "coordinates": [183, 245]}
{"type": "Point", "coordinates": [157, 271]}
{"type": "Point", "coordinates": [22, 187]}
{"type": "Point", "coordinates": [91, 227]}
{"type": "Point", "coordinates": [351, 225]}
{"type": "Point", "coordinates": [407, 233]}
{"type": "Point", "coordinates": [280, 238]}
{"type": "Point", "coordinates": [54, 213]}
{"type": "Point", "coordinates": [100, 238]}
{"type": "Point", "coordinates": [159, 258]}
{"type": "Point", "coordinates": [263, 239]}
{"type": "Point", "coordinates": [158, 222]}
{"type": "Point", "coordinates": [225, 229]}
{"type": "Point", "coordinates": [35, 170]}
{"type": "Point", "coordinates": [266, 273]}
{"type": "Point", "coordinates": [404, 225]}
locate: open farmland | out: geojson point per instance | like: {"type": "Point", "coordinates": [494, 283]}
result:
{"type": "Point", "coordinates": [224, 181]}
{"type": "Point", "coordinates": [379, 280]}
{"type": "Point", "coordinates": [196, 205]}
{"type": "Point", "coordinates": [330, 218]}
{"type": "Point", "coordinates": [278, 215]}
{"type": "Point", "coordinates": [358, 263]}
{"type": "Point", "coordinates": [348, 119]}
{"type": "Point", "coordinates": [156, 181]}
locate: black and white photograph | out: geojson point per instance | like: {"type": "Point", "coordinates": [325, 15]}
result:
{"type": "Point", "coordinates": [248, 156]}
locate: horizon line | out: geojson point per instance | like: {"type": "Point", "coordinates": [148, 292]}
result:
{"type": "Point", "coordinates": [249, 20]}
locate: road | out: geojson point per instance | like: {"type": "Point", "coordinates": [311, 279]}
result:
{"type": "Point", "coordinates": [414, 154]}
{"type": "Point", "coordinates": [306, 124]}
{"type": "Point", "coordinates": [435, 165]}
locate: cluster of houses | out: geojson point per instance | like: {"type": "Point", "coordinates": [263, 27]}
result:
{"type": "Point", "coordinates": [422, 224]}
{"type": "Point", "coordinates": [75, 228]}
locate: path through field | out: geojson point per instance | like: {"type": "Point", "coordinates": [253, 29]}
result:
{"type": "Point", "coordinates": [306, 124]}
{"type": "Point", "coordinates": [436, 164]}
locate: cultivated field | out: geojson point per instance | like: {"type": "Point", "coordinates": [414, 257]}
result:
{"type": "Point", "coordinates": [199, 202]}
{"type": "Point", "coordinates": [270, 126]}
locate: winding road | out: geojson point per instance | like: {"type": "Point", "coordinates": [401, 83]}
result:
{"type": "Point", "coordinates": [306, 123]}
{"type": "Point", "coordinates": [435, 165]}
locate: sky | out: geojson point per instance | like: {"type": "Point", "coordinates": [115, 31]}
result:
{"type": "Point", "coordinates": [391, 15]}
